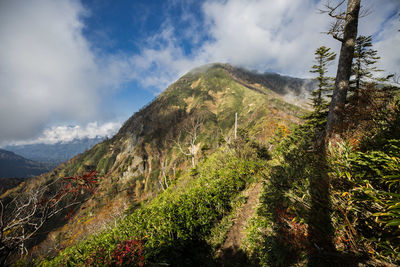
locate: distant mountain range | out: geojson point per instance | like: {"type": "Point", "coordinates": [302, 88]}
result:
{"type": "Point", "coordinates": [16, 166]}
{"type": "Point", "coordinates": [54, 154]}
{"type": "Point", "coordinates": [19, 162]}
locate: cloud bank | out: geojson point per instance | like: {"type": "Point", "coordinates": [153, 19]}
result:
{"type": "Point", "coordinates": [65, 134]}
{"type": "Point", "coordinates": [48, 72]}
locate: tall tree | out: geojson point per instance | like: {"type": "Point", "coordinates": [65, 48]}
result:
{"type": "Point", "coordinates": [344, 30]}
{"type": "Point", "coordinates": [323, 57]}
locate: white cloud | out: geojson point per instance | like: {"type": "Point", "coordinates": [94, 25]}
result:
{"type": "Point", "coordinates": [162, 61]}
{"type": "Point", "coordinates": [278, 35]}
{"type": "Point", "coordinates": [64, 134]}
{"type": "Point", "coordinates": [264, 35]}
{"type": "Point", "coordinates": [48, 71]}
{"type": "Point", "coordinates": [383, 23]}
{"type": "Point", "coordinates": [388, 47]}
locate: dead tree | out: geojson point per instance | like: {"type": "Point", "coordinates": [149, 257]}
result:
{"type": "Point", "coordinates": [236, 118]}
{"type": "Point", "coordinates": [163, 179]}
{"type": "Point", "coordinates": [22, 216]}
{"type": "Point", "coordinates": [344, 29]}
{"type": "Point", "coordinates": [192, 130]}
{"type": "Point", "coordinates": [163, 173]}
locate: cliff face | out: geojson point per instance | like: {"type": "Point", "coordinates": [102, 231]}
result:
{"type": "Point", "coordinates": [157, 141]}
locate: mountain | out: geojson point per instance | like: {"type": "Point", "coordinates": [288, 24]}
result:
{"type": "Point", "coordinates": [133, 165]}
{"type": "Point", "coordinates": [15, 166]}
{"type": "Point", "coordinates": [54, 154]}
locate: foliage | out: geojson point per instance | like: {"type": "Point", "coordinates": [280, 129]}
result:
{"type": "Point", "coordinates": [128, 253]}
{"type": "Point", "coordinates": [176, 224]}
{"type": "Point", "coordinates": [367, 196]}
{"type": "Point", "coordinates": [219, 231]}
{"type": "Point", "coordinates": [277, 236]}
{"type": "Point", "coordinates": [363, 196]}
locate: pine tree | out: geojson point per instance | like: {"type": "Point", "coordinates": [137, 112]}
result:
{"type": "Point", "coordinates": [363, 63]}
{"type": "Point", "coordinates": [323, 58]}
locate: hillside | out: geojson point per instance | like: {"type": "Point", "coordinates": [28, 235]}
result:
{"type": "Point", "coordinates": [16, 166]}
{"type": "Point", "coordinates": [145, 156]}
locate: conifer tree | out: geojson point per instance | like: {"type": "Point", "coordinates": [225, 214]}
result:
{"type": "Point", "coordinates": [363, 63]}
{"type": "Point", "coordinates": [323, 58]}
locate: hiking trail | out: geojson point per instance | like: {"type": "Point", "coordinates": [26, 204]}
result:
{"type": "Point", "coordinates": [230, 252]}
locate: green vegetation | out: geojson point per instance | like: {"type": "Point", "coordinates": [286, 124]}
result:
{"type": "Point", "coordinates": [175, 226]}
{"type": "Point", "coordinates": [355, 217]}
{"type": "Point", "coordinates": [335, 200]}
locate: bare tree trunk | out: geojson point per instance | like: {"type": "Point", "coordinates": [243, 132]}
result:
{"type": "Point", "coordinates": [336, 109]}
{"type": "Point", "coordinates": [149, 174]}
{"type": "Point", "coordinates": [235, 125]}
{"type": "Point", "coordinates": [192, 152]}
{"type": "Point", "coordinates": [192, 129]}
{"type": "Point", "coordinates": [163, 174]}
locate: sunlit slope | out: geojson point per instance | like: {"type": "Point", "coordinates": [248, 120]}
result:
{"type": "Point", "coordinates": [130, 164]}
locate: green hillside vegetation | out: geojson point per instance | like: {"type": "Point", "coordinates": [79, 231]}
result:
{"type": "Point", "coordinates": [176, 227]}
{"type": "Point", "coordinates": [363, 200]}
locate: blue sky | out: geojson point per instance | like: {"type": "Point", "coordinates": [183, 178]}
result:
{"type": "Point", "coordinates": [70, 68]}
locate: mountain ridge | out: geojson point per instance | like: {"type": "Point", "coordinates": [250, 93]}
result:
{"type": "Point", "coordinates": [298, 90]}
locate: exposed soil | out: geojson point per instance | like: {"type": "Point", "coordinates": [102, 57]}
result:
{"type": "Point", "coordinates": [230, 253]}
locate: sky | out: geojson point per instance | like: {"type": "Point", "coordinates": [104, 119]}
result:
{"type": "Point", "coordinates": [80, 68]}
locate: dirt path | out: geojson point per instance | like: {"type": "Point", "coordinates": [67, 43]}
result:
{"type": "Point", "coordinates": [230, 253]}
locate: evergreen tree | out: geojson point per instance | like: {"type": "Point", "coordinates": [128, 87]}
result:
{"type": "Point", "coordinates": [323, 58]}
{"type": "Point", "coordinates": [363, 63]}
